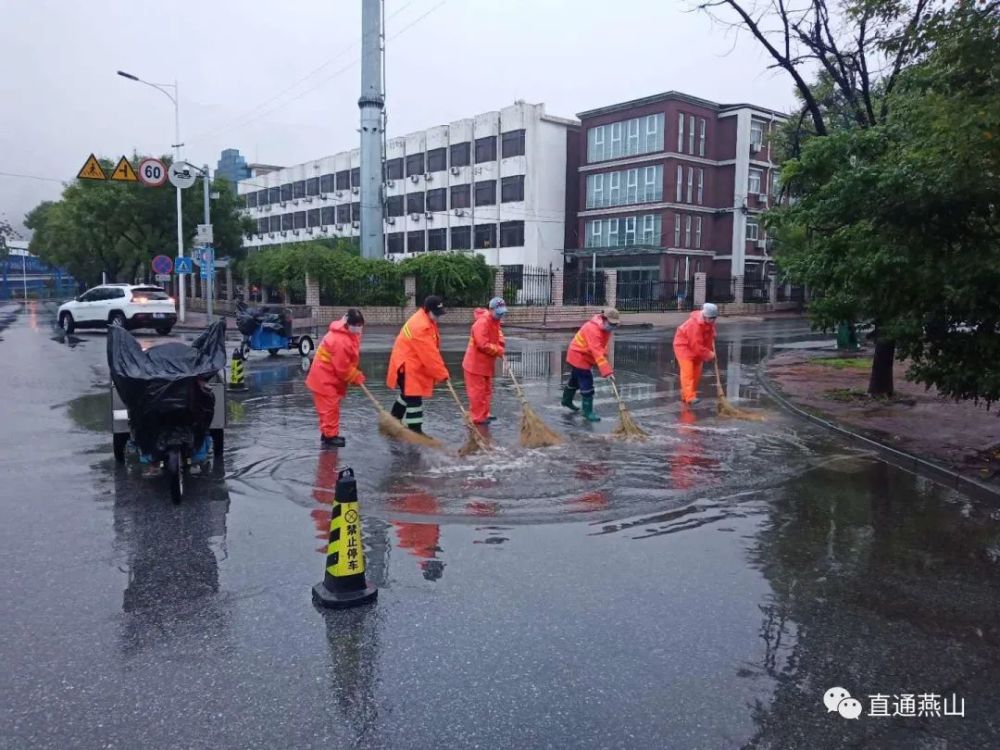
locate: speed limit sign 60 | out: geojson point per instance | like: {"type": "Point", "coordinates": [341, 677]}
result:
{"type": "Point", "coordinates": [152, 172]}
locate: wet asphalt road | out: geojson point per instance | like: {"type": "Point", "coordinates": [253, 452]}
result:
{"type": "Point", "coordinates": [702, 590]}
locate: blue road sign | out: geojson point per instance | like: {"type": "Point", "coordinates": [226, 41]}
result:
{"type": "Point", "coordinates": [162, 264]}
{"type": "Point", "coordinates": [183, 265]}
{"type": "Point", "coordinates": [207, 270]}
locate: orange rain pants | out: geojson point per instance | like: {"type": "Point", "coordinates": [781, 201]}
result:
{"type": "Point", "coordinates": [690, 376]}
{"type": "Point", "coordinates": [328, 410]}
{"type": "Point", "coordinates": [480, 391]}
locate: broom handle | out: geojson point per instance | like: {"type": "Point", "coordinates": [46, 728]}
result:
{"type": "Point", "coordinates": [621, 404]}
{"type": "Point", "coordinates": [718, 377]}
{"type": "Point", "coordinates": [368, 393]}
{"type": "Point", "coordinates": [458, 401]}
{"type": "Point", "coordinates": [517, 386]}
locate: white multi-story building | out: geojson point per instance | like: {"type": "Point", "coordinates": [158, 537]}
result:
{"type": "Point", "coordinates": [495, 183]}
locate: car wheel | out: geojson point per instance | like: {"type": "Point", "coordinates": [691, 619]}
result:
{"type": "Point", "coordinates": [117, 319]}
{"type": "Point", "coordinates": [67, 323]}
{"type": "Point", "coordinates": [164, 330]}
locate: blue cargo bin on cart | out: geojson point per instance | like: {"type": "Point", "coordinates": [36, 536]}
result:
{"type": "Point", "coordinates": [269, 329]}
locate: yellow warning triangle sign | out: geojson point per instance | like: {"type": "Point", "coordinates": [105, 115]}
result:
{"type": "Point", "coordinates": [92, 170]}
{"type": "Point", "coordinates": [124, 172]}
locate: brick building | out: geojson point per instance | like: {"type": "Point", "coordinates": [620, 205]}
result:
{"type": "Point", "coordinates": [671, 185]}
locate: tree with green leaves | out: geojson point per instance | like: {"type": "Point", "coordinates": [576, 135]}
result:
{"type": "Point", "coordinates": [898, 222]}
{"type": "Point", "coordinates": [116, 227]}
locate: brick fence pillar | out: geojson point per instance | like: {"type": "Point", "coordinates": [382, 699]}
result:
{"type": "Point", "coordinates": [312, 292]}
{"type": "Point", "coordinates": [410, 290]}
{"type": "Point", "coordinates": [738, 290]}
{"type": "Point", "coordinates": [772, 289]}
{"type": "Point", "coordinates": [246, 285]}
{"type": "Point", "coordinates": [610, 288]}
{"type": "Point", "coordinates": [229, 283]}
{"type": "Point", "coordinates": [557, 288]}
{"type": "Point", "coordinates": [699, 288]}
{"type": "Point", "coordinates": [498, 286]}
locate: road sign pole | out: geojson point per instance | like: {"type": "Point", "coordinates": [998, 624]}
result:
{"type": "Point", "coordinates": [208, 222]}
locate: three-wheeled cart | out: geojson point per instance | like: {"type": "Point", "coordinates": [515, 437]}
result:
{"type": "Point", "coordinates": [269, 329]}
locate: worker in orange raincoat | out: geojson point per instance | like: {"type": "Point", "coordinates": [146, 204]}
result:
{"type": "Point", "coordinates": [415, 365]}
{"type": "Point", "coordinates": [333, 369]}
{"type": "Point", "coordinates": [589, 348]}
{"type": "Point", "coordinates": [694, 344]}
{"type": "Point", "coordinates": [486, 346]}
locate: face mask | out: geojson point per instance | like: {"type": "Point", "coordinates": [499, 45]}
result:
{"type": "Point", "coordinates": [609, 327]}
{"type": "Point", "coordinates": [499, 312]}
{"type": "Point", "coordinates": [356, 329]}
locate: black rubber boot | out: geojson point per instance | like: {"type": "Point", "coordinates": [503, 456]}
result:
{"type": "Point", "coordinates": [567, 398]}
{"type": "Point", "coordinates": [333, 442]}
{"type": "Point", "coordinates": [588, 409]}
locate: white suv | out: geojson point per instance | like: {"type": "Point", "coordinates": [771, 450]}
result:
{"type": "Point", "coordinates": [122, 305]}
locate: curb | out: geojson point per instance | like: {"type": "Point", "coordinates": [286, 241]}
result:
{"type": "Point", "coordinates": [900, 458]}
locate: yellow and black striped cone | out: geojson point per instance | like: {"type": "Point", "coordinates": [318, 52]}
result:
{"type": "Point", "coordinates": [237, 372]}
{"type": "Point", "coordinates": [344, 584]}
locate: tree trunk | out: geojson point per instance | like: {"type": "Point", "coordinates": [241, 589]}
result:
{"type": "Point", "coordinates": [880, 382]}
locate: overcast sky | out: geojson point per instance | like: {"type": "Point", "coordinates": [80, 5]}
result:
{"type": "Point", "coordinates": [280, 81]}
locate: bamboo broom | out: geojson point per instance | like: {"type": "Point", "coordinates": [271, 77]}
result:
{"type": "Point", "coordinates": [725, 407]}
{"type": "Point", "coordinates": [476, 442]}
{"type": "Point", "coordinates": [534, 432]}
{"type": "Point", "coordinates": [389, 425]}
{"type": "Point", "coordinates": [627, 428]}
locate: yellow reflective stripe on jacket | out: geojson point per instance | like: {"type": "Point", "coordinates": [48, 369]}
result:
{"type": "Point", "coordinates": [353, 374]}
{"type": "Point", "coordinates": [323, 355]}
{"type": "Point", "coordinates": [406, 331]}
{"type": "Point", "coordinates": [579, 340]}
{"type": "Point", "coordinates": [602, 361]}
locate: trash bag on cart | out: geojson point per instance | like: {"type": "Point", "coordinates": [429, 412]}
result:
{"type": "Point", "coordinates": [249, 319]}
{"type": "Point", "coordinates": [167, 386]}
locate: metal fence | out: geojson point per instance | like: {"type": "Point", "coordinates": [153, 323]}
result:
{"type": "Point", "coordinates": [527, 285]}
{"type": "Point", "coordinates": [720, 290]}
{"type": "Point", "coordinates": [756, 291]}
{"type": "Point", "coordinates": [584, 288]}
{"type": "Point", "coordinates": [790, 293]}
{"type": "Point", "coordinates": [374, 289]}
{"type": "Point", "coordinates": [654, 296]}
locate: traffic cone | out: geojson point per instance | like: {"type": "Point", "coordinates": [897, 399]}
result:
{"type": "Point", "coordinates": [237, 375]}
{"type": "Point", "coordinates": [344, 584]}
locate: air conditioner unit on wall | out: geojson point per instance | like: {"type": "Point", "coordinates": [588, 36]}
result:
{"type": "Point", "coordinates": [339, 193]}
{"type": "Point", "coordinates": [322, 196]}
{"type": "Point", "coordinates": [755, 147]}
{"type": "Point", "coordinates": [325, 230]}
{"type": "Point", "coordinates": [414, 178]}
{"type": "Point", "coordinates": [340, 227]}
{"type": "Point", "coordinates": [415, 217]}
{"type": "Point", "coordinates": [762, 242]}
{"type": "Point", "coordinates": [355, 190]}
{"type": "Point", "coordinates": [459, 212]}
{"type": "Point", "coordinates": [356, 224]}
{"type": "Point", "coordinates": [428, 176]}
{"type": "Point", "coordinates": [762, 197]}
{"type": "Point", "coordinates": [390, 220]}
{"type": "Point", "coordinates": [270, 235]}
{"type": "Point", "coordinates": [429, 216]}
{"type": "Point", "coordinates": [456, 170]}
{"type": "Point", "coordinates": [390, 183]}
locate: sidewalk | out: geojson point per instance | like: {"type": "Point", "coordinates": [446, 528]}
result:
{"type": "Point", "coordinates": [958, 435]}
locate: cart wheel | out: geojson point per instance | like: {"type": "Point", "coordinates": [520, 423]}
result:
{"type": "Point", "coordinates": [175, 473]}
{"type": "Point", "coordinates": [305, 346]}
{"type": "Point", "coordinates": [218, 442]}
{"type": "Point", "coordinates": [120, 443]}
{"type": "Point", "coordinates": [245, 350]}
{"type": "Point", "coordinates": [273, 352]}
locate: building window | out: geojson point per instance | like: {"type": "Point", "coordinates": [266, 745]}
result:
{"type": "Point", "coordinates": [275, 223]}
{"type": "Point", "coordinates": [701, 136]}
{"type": "Point", "coordinates": [697, 232]}
{"type": "Point", "coordinates": [460, 198]}
{"type": "Point", "coordinates": [677, 230]}
{"type": "Point", "coordinates": [595, 144]}
{"type": "Point", "coordinates": [594, 233]}
{"type": "Point", "coordinates": [344, 213]}
{"type": "Point", "coordinates": [701, 186]}
{"type": "Point", "coordinates": [262, 197]}
{"type": "Point", "coordinates": [262, 225]}
{"type": "Point", "coordinates": [691, 134]}
{"type": "Point", "coordinates": [680, 133]}
{"type": "Point", "coordinates": [415, 203]}
{"type": "Point", "coordinates": [653, 184]}
{"type": "Point", "coordinates": [486, 193]}
{"type": "Point", "coordinates": [756, 133]}
{"type": "Point", "coordinates": [512, 189]}
{"type": "Point", "coordinates": [273, 195]}
{"type": "Point", "coordinates": [394, 243]}
{"type": "Point", "coordinates": [287, 222]}
{"type": "Point", "coordinates": [312, 217]}
{"type": "Point", "coordinates": [512, 143]}
{"type": "Point", "coordinates": [415, 241]}
{"type": "Point", "coordinates": [616, 140]}
{"type": "Point", "coordinates": [328, 215]}
{"type": "Point", "coordinates": [595, 191]}
{"type": "Point", "coordinates": [299, 189]}
{"type": "Point", "coordinates": [511, 234]}
{"type": "Point", "coordinates": [650, 233]}
{"type": "Point", "coordinates": [486, 236]}
{"type": "Point", "coordinates": [680, 183]}
{"type": "Point", "coordinates": [753, 231]}
{"type": "Point", "coordinates": [394, 205]}
{"type": "Point", "coordinates": [415, 164]}
{"type": "Point", "coordinates": [687, 231]}
{"type": "Point", "coordinates": [437, 239]}
{"type": "Point", "coordinates": [690, 185]}
{"type": "Point", "coordinates": [327, 183]}
{"type": "Point", "coordinates": [356, 211]}
{"type": "Point", "coordinates": [632, 137]}
{"type": "Point", "coordinates": [394, 169]}
{"type": "Point", "coordinates": [754, 182]}
{"type": "Point", "coordinates": [632, 186]}
{"type": "Point", "coordinates": [312, 186]}
{"type": "Point", "coordinates": [437, 200]}
{"type": "Point", "coordinates": [486, 149]}
{"type": "Point", "coordinates": [356, 177]}
{"type": "Point", "coordinates": [437, 160]}
{"type": "Point", "coordinates": [344, 180]}
{"type": "Point", "coordinates": [461, 238]}
{"type": "Point", "coordinates": [654, 133]}
{"type": "Point", "coordinates": [250, 199]}
{"type": "Point", "coordinates": [612, 225]}
{"type": "Point", "coordinates": [460, 156]}
{"type": "Point", "coordinates": [286, 192]}
{"type": "Point", "coordinates": [630, 223]}
{"type": "Point", "coordinates": [614, 188]}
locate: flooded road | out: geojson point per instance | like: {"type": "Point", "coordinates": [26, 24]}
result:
{"type": "Point", "coordinates": [700, 590]}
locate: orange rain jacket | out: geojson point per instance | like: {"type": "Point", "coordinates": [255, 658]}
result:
{"type": "Point", "coordinates": [695, 339]}
{"type": "Point", "coordinates": [589, 347]}
{"type": "Point", "coordinates": [336, 363]}
{"type": "Point", "coordinates": [486, 344]}
{"type": "Point", "coordinates": [417, 352]}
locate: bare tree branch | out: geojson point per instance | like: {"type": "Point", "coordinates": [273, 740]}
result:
{"type": "Point", "coordinates": [901, 55]}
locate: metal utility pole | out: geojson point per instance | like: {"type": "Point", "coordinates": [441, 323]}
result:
{"type": "Point", "coordinates": [210, 276]}
{"type": "Point", "coordinates": [371, 105]}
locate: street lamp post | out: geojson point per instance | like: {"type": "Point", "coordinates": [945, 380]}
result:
{"type": "Point", "coordinates": [162, 88]}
